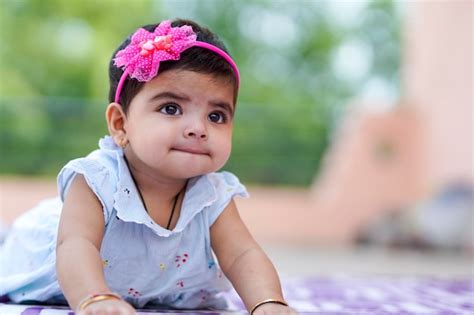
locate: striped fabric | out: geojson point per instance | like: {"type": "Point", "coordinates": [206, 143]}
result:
{"type": "Point", "coordinates": [340, 295]}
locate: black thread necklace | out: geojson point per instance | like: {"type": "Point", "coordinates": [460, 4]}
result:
{"type": "Point", "coordinates": [143, 200]}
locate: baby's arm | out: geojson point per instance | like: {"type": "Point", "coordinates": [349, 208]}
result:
{"type": "Point", "coordinates": [78, 262]}
{"type": "Point", "coordinates": [245, 264]}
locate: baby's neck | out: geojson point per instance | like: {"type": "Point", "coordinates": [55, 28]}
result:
{"type": "Point", "coordinates": [165, 188]}
{"type": "Point", "coordinates": [162, 197]}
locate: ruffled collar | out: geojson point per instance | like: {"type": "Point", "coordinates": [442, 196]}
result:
{"type": "Point", "coordinates": [200, 193]}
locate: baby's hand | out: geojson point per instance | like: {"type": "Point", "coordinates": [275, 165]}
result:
{"type": "Point", "coordinates": [108, 307]}
{"type": "Point", "coordinates": [274, 309]}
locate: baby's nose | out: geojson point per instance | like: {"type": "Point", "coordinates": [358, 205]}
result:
{"type": "Point", "coordinates": [200, 134]}
{"type": "Point", "coordinates": [197, 130]}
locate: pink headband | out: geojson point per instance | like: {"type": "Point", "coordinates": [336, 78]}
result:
{"type": "Point", "coordinates": [141, 58]}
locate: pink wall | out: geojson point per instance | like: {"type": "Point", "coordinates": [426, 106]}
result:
{"type": "Point", "coordinates": [429, 134]}
{"type": "Point", "coordinates": [438, 81]}
{"type": "Point", "coordinates": [373, 167]}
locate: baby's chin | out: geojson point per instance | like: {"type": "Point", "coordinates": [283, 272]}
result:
{"type": "Point", "coordinates": [188, 173]}
{"type": "Point", "coordinates": [194, 172]}
{"type": "Point", "coordinates": [182, 166]}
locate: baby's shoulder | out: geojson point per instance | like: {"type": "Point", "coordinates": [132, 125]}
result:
{"type": "Point", "coordinates": [223, 179]}
{"type": "Point", "coordinates": [224, 186]}
{"type": "Point", "coordinates": [104, 160]}
{"type": "Point", "coordinates": [97, 164]}
{"type": "Point", "coordinates": [100, 169]}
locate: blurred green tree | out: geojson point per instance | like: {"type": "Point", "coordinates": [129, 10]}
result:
{"type": "Point", "coordinates": [300, 62]}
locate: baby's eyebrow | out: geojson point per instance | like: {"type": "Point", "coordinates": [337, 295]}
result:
{"type": "Point", "coordinates": [224, 105]}
{"type": "Point", "coordinates": [168, 94]}
{"type": "Point", "coordinates": [182, 97]}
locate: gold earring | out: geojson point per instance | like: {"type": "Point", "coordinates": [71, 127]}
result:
{"type": "Point", "coordinates": [123, 143]}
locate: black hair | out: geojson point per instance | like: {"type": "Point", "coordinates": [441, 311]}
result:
{"type": "Point", "coordinates": [194, 59]}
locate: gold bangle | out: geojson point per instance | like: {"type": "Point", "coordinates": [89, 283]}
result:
{"type": "Point", "coordinates": [96, 298]}
{"type": "Point", "coordinates": [267, 301]}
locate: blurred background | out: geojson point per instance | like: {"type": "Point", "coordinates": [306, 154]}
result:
{"type": "Point", "coordinates": [354, 129]}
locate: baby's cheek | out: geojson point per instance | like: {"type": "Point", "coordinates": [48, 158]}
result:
{"type": "Point", "coordinates": [223, 154]}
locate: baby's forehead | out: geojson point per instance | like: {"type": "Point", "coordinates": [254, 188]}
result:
{"type": "Point", "coordinates": [177, 76]}
{"type": "Point", "coordinates": [191, 84]}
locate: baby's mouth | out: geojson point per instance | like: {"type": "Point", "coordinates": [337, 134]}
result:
{"type": "Point", "coordinates": [191, 150]}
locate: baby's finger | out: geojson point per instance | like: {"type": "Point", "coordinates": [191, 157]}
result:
{"type": "Point", "coordinates": [120, 308]}
{"type": "Point", "coordinates": [121, 311]}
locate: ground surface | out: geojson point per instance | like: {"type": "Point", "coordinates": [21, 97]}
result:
{"type": "Point", "coordinates": [292, 258]}
{"type": "Point", "coordinates": [317, 278]}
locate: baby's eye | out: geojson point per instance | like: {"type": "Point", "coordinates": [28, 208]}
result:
{"type": "Point", "coordinates": [171, 109]}
{"type": "Point", "coordinates": [217, 117]}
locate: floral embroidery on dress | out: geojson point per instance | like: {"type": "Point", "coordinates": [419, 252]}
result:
{"type": "Point", "coordinates": [204, 295]}
{"type": "Point", "coordinates": [134, 293]}
{"type": "Point", "coordinates": [181, 259]}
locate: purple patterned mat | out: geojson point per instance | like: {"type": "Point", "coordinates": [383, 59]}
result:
{"type": "Point", "coordinates": [342, 295]}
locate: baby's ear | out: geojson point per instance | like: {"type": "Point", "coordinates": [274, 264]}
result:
{"type": "Point", "coordinates": [116, 123]}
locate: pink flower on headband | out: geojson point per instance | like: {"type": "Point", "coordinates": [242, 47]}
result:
{"type": "Point", "coordinates": [142, 57]}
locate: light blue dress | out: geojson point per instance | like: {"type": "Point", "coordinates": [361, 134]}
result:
{"type": "Point", "coordinates": [143, 262]}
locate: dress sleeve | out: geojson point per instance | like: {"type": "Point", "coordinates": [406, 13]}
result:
{"type": "Point", "coordinates": [227, 186]}
{"type": "Point", "coordinates": [97, 176]}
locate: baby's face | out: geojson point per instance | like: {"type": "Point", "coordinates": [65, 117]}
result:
{"type": "Point", "coordinates": [180, 124]}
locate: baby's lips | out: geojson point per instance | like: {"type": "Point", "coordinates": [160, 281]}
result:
{"type": "Point", "coordinates": [192, 150]}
